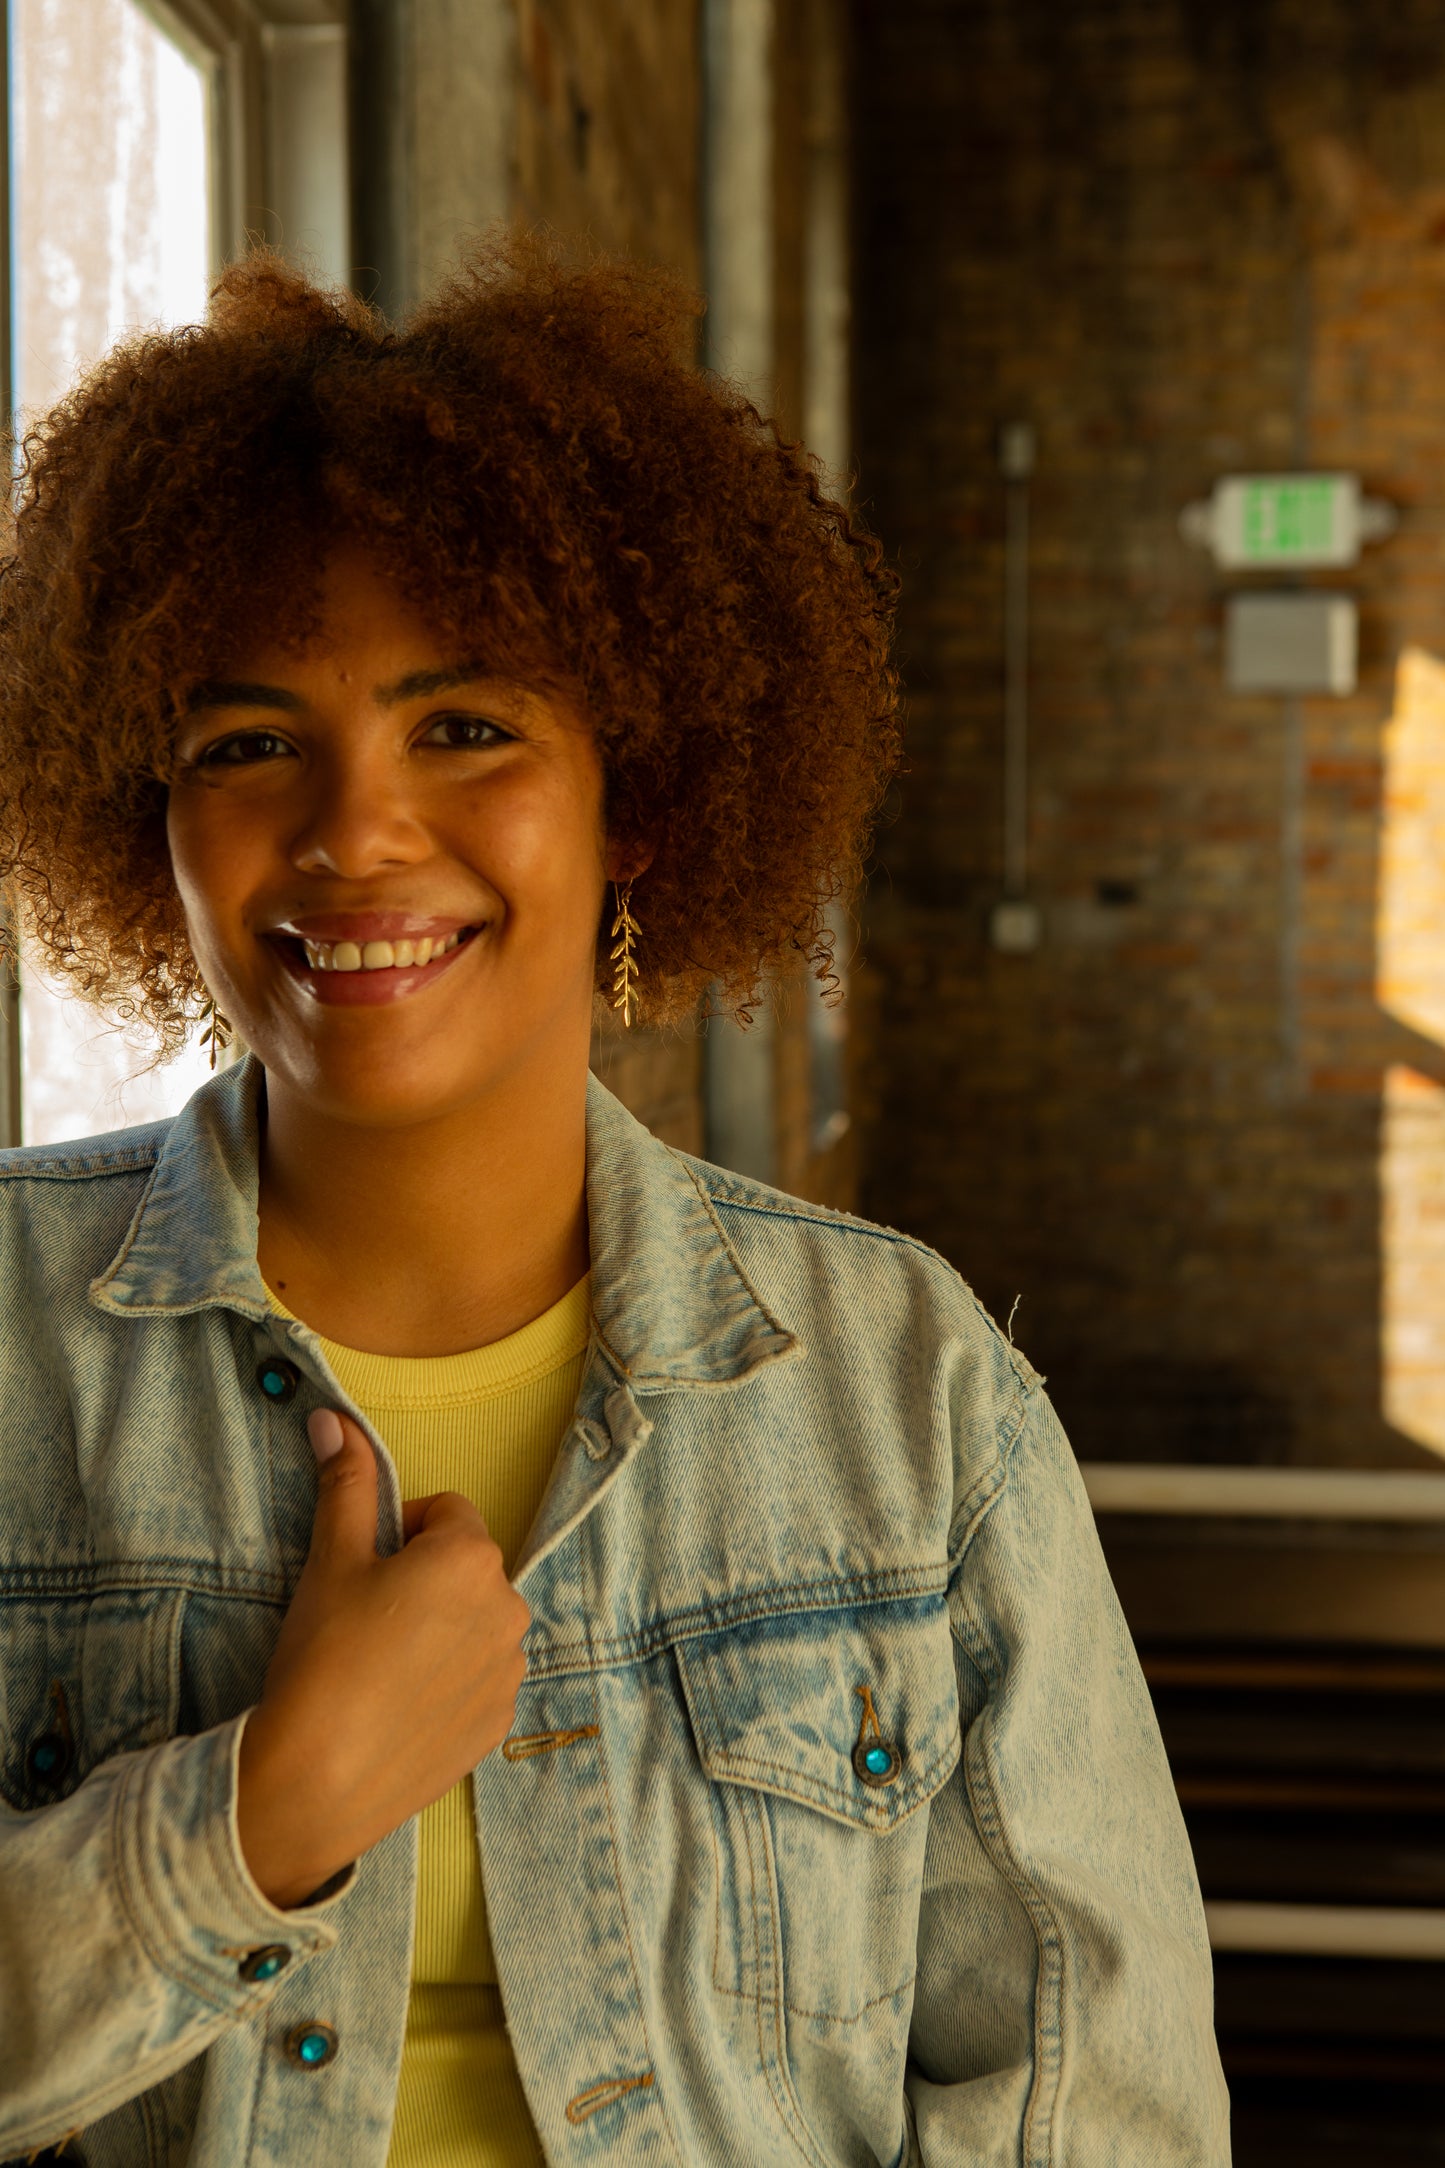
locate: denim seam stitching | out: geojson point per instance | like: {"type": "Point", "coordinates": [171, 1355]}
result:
{"type": "Point", "coordinates": [709, 1689]}
{"type": "Point", "coordinates": [697, 1624]}
{"type": "Point", "coordinates": [100, 1169]}
{"type": "Point", "coordinates": [831, 2017]}
{"type": "Point", "coordinates": [986, 1802]}
{"type": "Point", "coordinates": [714, 1808]}
{"type": "Point", "coordinates": [845, 1223]}
{"type": "Point", "coordinates": [779, 1769]}
{"type": "Point", "coordinates": [103, 1280]}
{"type": "Point", "coordinates": [779, 2094]}
{"type": "Point", "coordinates": [978, 1501]}
{"type": "Point", "coordinates": [734, 1260]}
{"type": "Point", "coordinates": [125, 1577]}
{"type": "Point", "coordinates": [785, 2091]}
{"type": "Point", "coordinates": [656, 2090]}
{"type": "Point", "coordinates": [174, 1964]}
{"type": "Point", "coordinates": [779, 2084]}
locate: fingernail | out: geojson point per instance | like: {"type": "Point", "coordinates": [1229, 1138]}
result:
{"type": "Point", "coordinates": [323, 1428]}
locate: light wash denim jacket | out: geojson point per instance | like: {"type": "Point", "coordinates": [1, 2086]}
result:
{"type": "Point", "coordinates": [803, 1465]}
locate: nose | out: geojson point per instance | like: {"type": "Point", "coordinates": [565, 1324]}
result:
{"type": "Point", "coordinates": [358, 820]}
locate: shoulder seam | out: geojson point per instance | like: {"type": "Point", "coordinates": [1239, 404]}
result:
{"type": "Point", "coordinates": [823, 1216]}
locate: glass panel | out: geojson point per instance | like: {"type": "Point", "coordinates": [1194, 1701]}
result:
{"type": "Point", "coordinates": [112, 235]}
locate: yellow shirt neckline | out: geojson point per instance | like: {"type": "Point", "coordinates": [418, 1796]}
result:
{"type": "Point", "coordinates": [395, 1382]}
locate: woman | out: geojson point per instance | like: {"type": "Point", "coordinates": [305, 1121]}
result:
{"type": "Point", "coordinates": [386, 697]}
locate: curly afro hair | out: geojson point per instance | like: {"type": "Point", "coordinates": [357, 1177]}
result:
{"type": "Point", "coordinates": [536, 464]}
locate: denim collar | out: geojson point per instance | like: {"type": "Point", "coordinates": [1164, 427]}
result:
{"type": "Point", "coordinates": [672, 1304]}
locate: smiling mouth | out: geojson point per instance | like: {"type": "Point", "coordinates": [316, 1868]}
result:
{"type": "Point", "coordinates": [379, 955]}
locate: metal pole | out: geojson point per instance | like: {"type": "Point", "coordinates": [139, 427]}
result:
{"type": "Point", "coordinates": [1016, 457]}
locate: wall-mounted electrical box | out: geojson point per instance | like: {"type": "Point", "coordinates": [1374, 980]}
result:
{"type": "Point", "coordinates": [1286, 522]}
{"type": "Point", "coordinates": [1290, 643]}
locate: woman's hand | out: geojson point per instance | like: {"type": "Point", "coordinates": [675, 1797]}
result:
{"type": "Point", "coordinates": [392, 1677]}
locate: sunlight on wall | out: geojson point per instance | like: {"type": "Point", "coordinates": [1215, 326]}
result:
{"type": "Point", "coordinates": [1410, 948]}
{"type": "Point", "coordinates": [1412, 1245]}
{"type": "Point", "coordinates": [112, 235]}
{"type": "Point", "coordinates": [1410, 942]}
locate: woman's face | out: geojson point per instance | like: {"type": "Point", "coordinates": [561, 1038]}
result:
{"type": "Point", "coordinates": [392, 866]}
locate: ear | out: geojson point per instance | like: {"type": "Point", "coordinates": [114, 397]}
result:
{"type": "Point", "coordinates": [627, 861]}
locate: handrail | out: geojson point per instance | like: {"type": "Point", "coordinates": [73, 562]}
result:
{"type": "Point", "coordinates": [1322, 1494]}
{"type": "Point", "coordinates": [1383, 1931]}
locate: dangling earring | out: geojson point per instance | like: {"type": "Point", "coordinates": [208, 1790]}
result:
{"type": "Point", "coordinates": [625, 930]}
{"type": "Point", "coordinates": [218, 1032]}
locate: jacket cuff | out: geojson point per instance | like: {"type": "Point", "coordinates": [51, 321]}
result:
{"type": "Point", "coordinates": [185, 1882]}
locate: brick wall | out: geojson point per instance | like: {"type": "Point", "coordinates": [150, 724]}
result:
{"type": "Point", "coordinates": [1201, 1133]}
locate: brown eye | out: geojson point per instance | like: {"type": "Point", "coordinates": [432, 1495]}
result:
{"type": "Point", "coordinates": [243, 749]}
{"type": "Point", "coordinates": [465, 732]}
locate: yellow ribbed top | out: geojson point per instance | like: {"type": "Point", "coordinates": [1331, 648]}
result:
{"type": "Point", "coordinates": [486, 1423]}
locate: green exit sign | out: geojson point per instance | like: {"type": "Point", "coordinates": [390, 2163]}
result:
{"type": "Point", "coordinates": [1294, 519]}
{"type": "Point", "coordinates": [1286, 522]}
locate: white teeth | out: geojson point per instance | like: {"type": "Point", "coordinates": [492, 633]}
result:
{"type": "Point", "coordinates": [378, 955]}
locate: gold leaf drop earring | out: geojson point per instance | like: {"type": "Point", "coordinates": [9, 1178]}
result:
{"type": "Point", "coordinates": [625, 930]}
{"type": "Point", "coordinates": [218, 1032]}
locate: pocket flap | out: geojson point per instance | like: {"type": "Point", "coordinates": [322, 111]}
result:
{"type": "Point", "coordinates": [785, 1704]}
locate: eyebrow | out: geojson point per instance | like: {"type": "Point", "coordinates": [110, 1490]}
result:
{"type": "Point", "coordinates": [416, 685]}
{"type": "Point", "coordinates": [236, 693]}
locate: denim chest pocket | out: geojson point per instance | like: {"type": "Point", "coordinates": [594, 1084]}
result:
{"type": "Point", "coordinates": [824, 1736]}
{"type": "Point", "coordinates": [83, 1678]}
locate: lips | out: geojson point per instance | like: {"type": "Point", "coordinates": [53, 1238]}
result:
{"type": "Point", "coordinates": [362, 968]}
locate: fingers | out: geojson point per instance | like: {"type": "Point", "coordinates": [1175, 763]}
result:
{"type": "Point", "coordinates": [442, 1509]}
{"type": "Point", "coordinates": [325, 1430]}
{"type": "Point", "coordinates": [344, 1530]}
{"type": "Point", "coordinates": [346, 1498]}
{"type": "Point", "coordinates": [413, 1514]}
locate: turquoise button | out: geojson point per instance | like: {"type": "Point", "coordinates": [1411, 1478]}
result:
{"type": "Point", "coordinates": [48, 1759]}
{"type": "Point", "coordinates": [277, 1378]}
{"type": "Point", "coordinates": [311, 2044]}
{"type": "Point", "coordinates": [265, 1963]}
{"type": "Point", "coordinates": [877, 1761]}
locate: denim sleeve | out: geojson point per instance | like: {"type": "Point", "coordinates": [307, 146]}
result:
{"type": "Point", "coordinates": [1063, 2014]}
{"type": "Point", "coordinates": [126, 1914]}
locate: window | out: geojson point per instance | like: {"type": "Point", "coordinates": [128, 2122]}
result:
{"type": "Point", "coordinates": [111, 163]}
{"type": "Point", "coordinates": [130, 133]}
